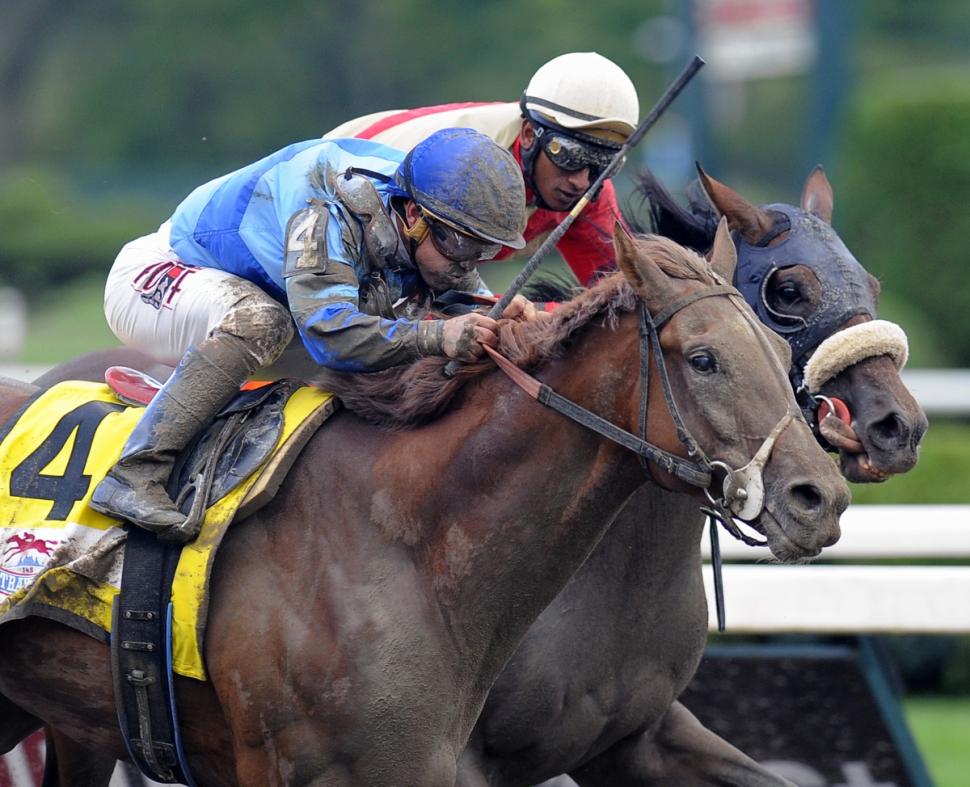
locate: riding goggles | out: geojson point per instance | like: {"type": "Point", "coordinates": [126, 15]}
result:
{"type": "Point", "coordinates": [456, 245]}
{"type": "Point", "coordinates": [571, 154]}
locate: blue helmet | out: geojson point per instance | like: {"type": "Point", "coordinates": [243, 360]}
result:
{"type": "Point", "coordinates": [466, 179]}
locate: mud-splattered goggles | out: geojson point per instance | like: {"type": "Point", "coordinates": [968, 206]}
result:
{"type": "Point", "coordinates": [456, 245]}
{"type": "Point", "coordinates": [571, 154]}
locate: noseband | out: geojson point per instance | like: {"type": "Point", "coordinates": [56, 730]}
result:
{"type": "Point", "coordinates": [742, 490]}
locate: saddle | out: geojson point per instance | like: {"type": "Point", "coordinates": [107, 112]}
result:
{"type": "Point", "coordinates": [237, 442]}
{"type": "Point", "coordinates": [64, 561]}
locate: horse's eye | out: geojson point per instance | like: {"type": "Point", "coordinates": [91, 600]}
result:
{"type": "Point", "coordinates": [789, 294]}
{"type": "Point", "coordinates": [703, 362]}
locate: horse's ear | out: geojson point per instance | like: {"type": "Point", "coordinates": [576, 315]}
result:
{"type": "Point", "coordinates": [642, 273]}
{"type": "Point", "coordinates": [724, 256]}
{"type": "Point", "coordinates": [817, 195]}
{"type": "Point", "coordinates": [626, 256]}
{"type": "Point", "coordinates": [751, 221]}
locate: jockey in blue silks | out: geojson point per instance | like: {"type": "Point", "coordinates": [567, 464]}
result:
{"type": "Point", "coordinates": [347, 240]}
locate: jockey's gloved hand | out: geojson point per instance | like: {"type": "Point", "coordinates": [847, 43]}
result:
{"type": "Point", "coordinates": [520, 308]}
{"type": "Point", "coordinates": [464, 336]}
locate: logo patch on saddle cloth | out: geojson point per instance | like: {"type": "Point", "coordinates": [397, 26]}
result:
{"type": "Point", "coordinates": [61, 560]}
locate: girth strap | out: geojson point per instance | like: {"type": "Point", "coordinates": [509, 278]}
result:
{"type": "Point", "coordinates": [140, 659]}
{"type": "Point", "coordinates": [687, 471]}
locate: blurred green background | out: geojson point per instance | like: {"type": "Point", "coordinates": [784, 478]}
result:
{"type": "Point", "coordinates": [111, 111]}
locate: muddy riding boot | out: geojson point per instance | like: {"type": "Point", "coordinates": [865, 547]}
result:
{"type": "Point", "coordinates": [206, 378]}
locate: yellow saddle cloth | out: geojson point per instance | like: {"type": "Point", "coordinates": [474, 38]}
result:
{"type": "Point", "coordinates": [61, 560]}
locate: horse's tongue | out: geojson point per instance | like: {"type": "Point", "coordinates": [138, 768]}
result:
{"type": "Point", "coordinates": [840, 434]}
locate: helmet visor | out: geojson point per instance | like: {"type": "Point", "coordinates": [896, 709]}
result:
{"type": "Point", "coordinates": [459, 246]}
{"type": "Point", "coordinates": [571, 154]}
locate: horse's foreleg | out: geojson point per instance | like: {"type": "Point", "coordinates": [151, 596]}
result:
{"type": "Point", "coordinates": [63, 677]}
{"type": "Point", "coordinates": [681, 752]}
{"type": "Point", "coordinates": [15, 724]}
{"type": "Point", "coordinates": [69, 764]}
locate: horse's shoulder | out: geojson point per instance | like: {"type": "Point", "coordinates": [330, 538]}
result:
{"type": "Point", "coordinates": [13, 395]}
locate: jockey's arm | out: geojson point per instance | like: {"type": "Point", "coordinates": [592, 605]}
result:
{"type": "Point", "coordinates": [338, 335]}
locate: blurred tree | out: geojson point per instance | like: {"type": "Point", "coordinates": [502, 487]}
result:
{"type": "Point", "coordinates": [25, 27]}
{"type": "Point", "coordinates": [162, 83]}
{"type": "Point", "coordinates": [945, 22]}
{"type": "Point", "coordinates": [904, 184]}
{"type": "Point", "coordinates": [53, 235]}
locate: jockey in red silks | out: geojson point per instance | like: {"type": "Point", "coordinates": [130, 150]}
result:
{"type": "Point", "coordinates": [574, 115]}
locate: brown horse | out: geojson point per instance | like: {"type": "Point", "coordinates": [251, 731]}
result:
{"type": "Point", "coordinates": [358, 620]}
{"type": "Point", "coordinates": [607, 714]}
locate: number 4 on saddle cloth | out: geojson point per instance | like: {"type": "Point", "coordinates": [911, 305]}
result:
{"type": "Point", "coordinates": [60, 559]}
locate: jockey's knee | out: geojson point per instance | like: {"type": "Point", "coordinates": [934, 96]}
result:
{"type": "Point", "coordinates": [264, 324]}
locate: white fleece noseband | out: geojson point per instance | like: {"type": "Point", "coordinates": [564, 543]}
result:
{"type": "Point", "coordinates": [854, 344]}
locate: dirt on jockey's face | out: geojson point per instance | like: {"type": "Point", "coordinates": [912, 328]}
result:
{"type": "Point", "coordinates": [438, 271]}
{"type": "Point", "coordinates": [560, 189]}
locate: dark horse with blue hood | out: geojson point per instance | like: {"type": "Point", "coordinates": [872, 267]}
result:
{"type": "Point", "coordinates": [806, 285]}
{"type": "Point", "coordinates": [592, 689]}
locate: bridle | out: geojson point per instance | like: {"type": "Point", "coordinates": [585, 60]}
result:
{"type": "Point", "coordinates": [741, 495]}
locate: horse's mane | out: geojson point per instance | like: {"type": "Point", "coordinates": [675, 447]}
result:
{"type": "Point", "coordinates": [694, 227]}
{"type": "Point", "coordinates": [408, 395]}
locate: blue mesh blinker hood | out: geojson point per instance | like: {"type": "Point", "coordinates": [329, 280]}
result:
{"type": "Point", "coordinates": [812, 242]}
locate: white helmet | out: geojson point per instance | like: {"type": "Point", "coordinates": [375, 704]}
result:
{"type": "Point", "coordinates": [583, 91]}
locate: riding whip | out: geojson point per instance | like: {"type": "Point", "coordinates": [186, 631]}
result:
{"type": "Point", "coordinates": [646, 124]}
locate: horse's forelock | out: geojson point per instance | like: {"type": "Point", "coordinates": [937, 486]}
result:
{"type": "Point", "coordinates": [673, 259]}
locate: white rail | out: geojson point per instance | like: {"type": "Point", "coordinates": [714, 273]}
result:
{"type": "Point", "coordinates": [24, 372]}
{"type": "Point", "coordinates": [883, 531]}
{"type": "Point", "coordinates": [839, 597]}
{"type": "Point", "coordinates": [940, 391]}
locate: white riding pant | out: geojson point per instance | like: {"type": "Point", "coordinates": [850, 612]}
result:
{"type": "Point", "coordinates": [158, 304]}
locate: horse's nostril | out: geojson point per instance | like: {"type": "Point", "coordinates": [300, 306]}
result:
{"type": "Point", "coordinates": [807, 497]}
{"type": "Point", "coordinates": [891, 430]}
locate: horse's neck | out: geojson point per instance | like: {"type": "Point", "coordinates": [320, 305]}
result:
{"type": "Point", "coordinates": [652, 549]}
{"type": "Point", "coordinates": [531, 494]}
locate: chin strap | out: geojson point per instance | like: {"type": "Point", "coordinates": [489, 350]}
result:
{"type": "Point", "coordinates": [417, 232]}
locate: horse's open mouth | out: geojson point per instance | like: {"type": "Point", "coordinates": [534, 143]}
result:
{"type": "Point", "coordinates": [783, 547]}
{"type": "Point", "coordinates": [854, 460]}
{"type": "Point", "coordinates": [859, 469]}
